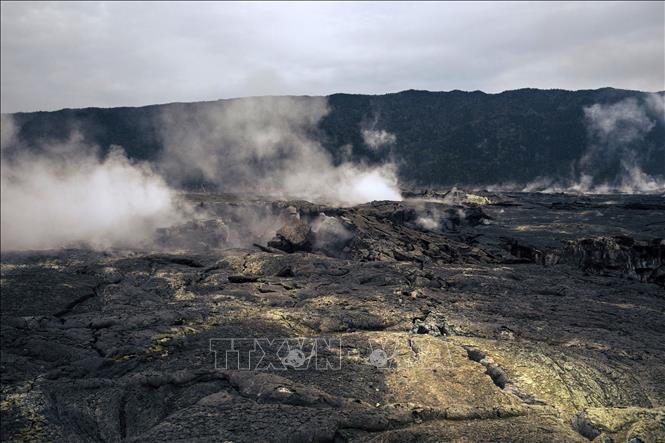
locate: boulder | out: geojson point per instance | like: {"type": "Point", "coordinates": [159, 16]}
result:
{"type": "Point", "coordinates": [294, 236]}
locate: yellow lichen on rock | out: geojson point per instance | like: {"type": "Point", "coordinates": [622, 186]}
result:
{"type": "Point", "coordinates": [476, 199]}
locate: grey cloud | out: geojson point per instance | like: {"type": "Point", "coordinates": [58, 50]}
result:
{"type": "Point", "coordinates": [78, 54]}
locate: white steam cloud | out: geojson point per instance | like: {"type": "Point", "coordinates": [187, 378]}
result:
{"type": "Point", "coordinates": [615, 125]}
{"type": "Point", "coordinates": [68, 196]}
{"type": "Point", "coordinates": [377, 139]}
{"type": "Point", "coordinates": [613, 129]}
{"type": "Point", "coordinates": [267, 146]}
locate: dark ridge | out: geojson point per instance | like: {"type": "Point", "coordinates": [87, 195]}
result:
{"type": "Point", "coordinates": [442, 138]}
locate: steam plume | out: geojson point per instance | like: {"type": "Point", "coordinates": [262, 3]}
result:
{"type": "Point", "coordinates": [69, 195]}
{"type": "Point", "coordinates": [377, 139]}
{"type": "Point", "coordinates": [613, 130]}
{"type": "Point", "coordinates": [267, 146]}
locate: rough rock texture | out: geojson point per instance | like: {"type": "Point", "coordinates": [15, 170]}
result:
{"type": "Point", "coordinates": [538, 324]}
{"type": "Point", "coordinates": [642, 259]}
{"type": "Point", "coordinates": [294, 236]}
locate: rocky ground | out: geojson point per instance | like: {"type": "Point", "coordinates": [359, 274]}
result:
{"type": "Point", "coordinates": [445, 317]}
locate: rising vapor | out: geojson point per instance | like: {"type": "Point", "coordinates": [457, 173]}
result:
{"type": "Point", "coordinates": [613, 129]}
{"type": "Point", "coordinates": [60, 194]}
{"type": "Point", "coordinates": [377, 139]}
{"type": "Point", "coordinates": [69, 195]}
{"type": "Point", "coordinates": [267, 146]}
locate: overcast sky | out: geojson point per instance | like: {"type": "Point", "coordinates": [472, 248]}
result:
{"type": "Point", "coordinates": [57, 55]}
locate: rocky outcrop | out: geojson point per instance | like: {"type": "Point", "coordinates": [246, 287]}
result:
{"type": "Point", "coordinates": [294, 236]}
{"type": "Point", "coordinates": [633, 425]}
{"type": "Point", "coordinates": [640, 259]}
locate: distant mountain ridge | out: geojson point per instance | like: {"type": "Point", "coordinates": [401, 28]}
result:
{"type": "Point", "coordinates": [435, 138]}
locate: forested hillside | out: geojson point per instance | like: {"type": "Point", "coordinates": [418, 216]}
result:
{"type": "Point", "coordinates": [435, 138]}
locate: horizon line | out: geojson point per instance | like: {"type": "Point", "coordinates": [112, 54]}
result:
{"type": "Point", "coordinates": [330, 95]}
